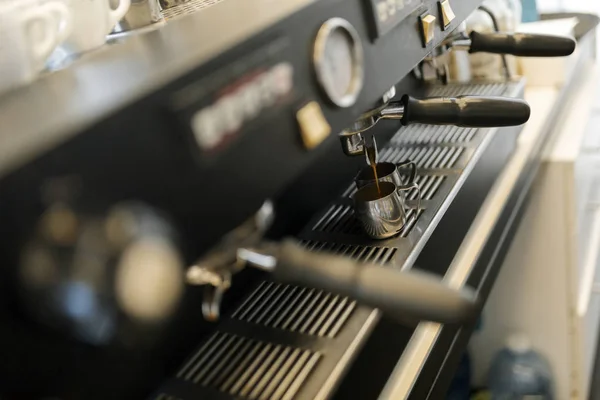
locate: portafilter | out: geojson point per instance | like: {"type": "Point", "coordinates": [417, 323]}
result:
{"type": "Point", "coordinates": [399, 294]}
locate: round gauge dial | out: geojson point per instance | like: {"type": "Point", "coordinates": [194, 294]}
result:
{"type": "Point", "coordinates": [338, 61]}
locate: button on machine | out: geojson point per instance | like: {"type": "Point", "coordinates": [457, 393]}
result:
{"type": "Point", "coordinates": [313, 125]}
{"type": "Point", "coordinates": [427, 28]}
{"type": "Point", "coordinates": [446, 13]}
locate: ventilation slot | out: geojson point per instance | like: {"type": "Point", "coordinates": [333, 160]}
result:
{"type": "Point", "coordinates": [429, 185]}
{"type": "Point", "coordinates": [479, 89]}
{"type": "Point", "coordinates": [248, 368]}
{"type": "Point", "coordinates": [304, 310]}
{"type": "Point", "coordinates": [377, 255]}
{"type": "Point", "coordinates": [340, 219]}
{"type": "Point", "coordinates": [425, 157]}
{"type": "Point", "coordinates": [188, 7]}
{"type": "Point", "coordinates": [296, 309]}
{"type": "Point", "coordinates": [411, 219]}
{"type": "Point", "coordinates": [432, 134]}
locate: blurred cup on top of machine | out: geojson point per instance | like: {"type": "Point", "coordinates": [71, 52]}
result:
{"type": "Point", "coordinates": [92, 21]}
{"type": "Point", "coordinates": [29, 31]}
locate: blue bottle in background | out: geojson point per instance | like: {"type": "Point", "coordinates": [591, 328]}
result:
{"type": "Point", "coordinates": [519, 373]}
{"type": "Point", "coordinates": [530, 11]}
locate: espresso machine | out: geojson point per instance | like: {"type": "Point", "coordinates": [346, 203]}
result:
{"type": "Point", "coordinates": [188, 213]}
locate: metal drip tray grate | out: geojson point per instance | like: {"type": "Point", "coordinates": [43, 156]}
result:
{"type": "Point", "coordinates": [188, 7]}
{"type": "Point", "coordinates": [428, 134]}
{"type": "Point", "coordinates": [479, 89]}
{"type": "Point", "coordinates": [305, 310]}
{"type": "Point", "coordinates": [440, 157]}
{"type": "Point", "coordinates": [429, 185]}
{"type": "Point", "coordinates": [248, 368]}
{"type": "Point", "coordinates": [296, 309]}
{"type": "Point", "coordinates": [371, 254]}
{"type": "Point", "coordinates": [340, 219]}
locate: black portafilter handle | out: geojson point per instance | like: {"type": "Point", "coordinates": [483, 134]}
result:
{"type": "Point", "coordinates": [521, 44]}
{"type": "Point", "coordinates": [398, 294]}
{"type": "Point", "coordinates": [465, 111]}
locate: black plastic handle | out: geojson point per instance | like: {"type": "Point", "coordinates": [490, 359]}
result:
{"type": "Point", "coordinates": [521, 44]}
{"type": "Point", "coordinates": [466, 111]}
{"type": "Point", "coordinates": [399, 294]}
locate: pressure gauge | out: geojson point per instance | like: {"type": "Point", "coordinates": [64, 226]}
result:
{"type": "Point", "coordinates": [339, 62]}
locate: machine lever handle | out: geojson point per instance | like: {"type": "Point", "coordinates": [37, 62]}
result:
{"type": "Point", "coordinates": [396, 293]}
{"type": "Point", "coordinates": [521, 44]}
{"type": "Point", "coordinates": [465, 111]}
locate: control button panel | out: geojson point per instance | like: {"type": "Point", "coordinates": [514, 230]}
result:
{"type": "Point", "coordinates": [446, 13]}
{"type": "Point", "coordinates": [314, 128]}
{"type": "Point", "coordinates": [427, 22]}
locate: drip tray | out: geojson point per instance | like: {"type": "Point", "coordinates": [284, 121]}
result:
{"type": "Point", "coordinates": [294, 342]}
{"type": "Point", "coordinates": [182, 8]}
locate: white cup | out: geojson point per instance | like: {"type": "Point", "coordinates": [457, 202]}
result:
{"type": "Point", "coordinates": [29, 31]}
{"type": "Point", "coordinates": [92, 21]}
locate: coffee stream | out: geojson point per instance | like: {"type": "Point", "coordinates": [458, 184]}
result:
{"type": "Point", "coordinates": [372, 156]}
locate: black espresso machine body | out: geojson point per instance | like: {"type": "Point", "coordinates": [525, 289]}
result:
{"type": "Point", "coordinates": [120, 126]}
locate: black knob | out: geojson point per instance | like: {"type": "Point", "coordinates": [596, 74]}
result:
{"type": "Point", "coordinates": [81, 273]}
{"type": "Point", "coordinates": [521, 44]}
{"type": "Point", "coordinates": [465, 111]}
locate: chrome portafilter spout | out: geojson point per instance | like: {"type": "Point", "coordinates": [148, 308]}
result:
{"type": "Point", "coordinates": [352, 140]}
{"type": "Point", "coordinates": [463, 111]}
{"type": "Point", "coordinates": [215, 269]}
